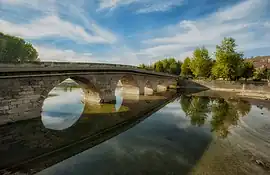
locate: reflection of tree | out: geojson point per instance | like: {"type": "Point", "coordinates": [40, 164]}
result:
{"type": "Point", "coordinates": [227, 113]}
{"type": "Point", "coordinates": [243, 107]}
{"type": "Point", "coordinates": [185, 102]}
{"type": "Point", "coordinates": [223, 115]}
{"type": "Point", "coordinates": [196, 108]}
{"type": "Point", "coordinates": [224, 112]}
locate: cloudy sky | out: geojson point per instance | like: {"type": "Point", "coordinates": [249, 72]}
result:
{"type": "Point", "coordinates": [135, 31]}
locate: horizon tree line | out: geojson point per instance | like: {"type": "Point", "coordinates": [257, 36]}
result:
{"type": "Point", "coordinates": [227, 65]}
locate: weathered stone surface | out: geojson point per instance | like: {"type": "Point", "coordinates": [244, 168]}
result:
{"type": "Point", "coordinates": [24, 87]}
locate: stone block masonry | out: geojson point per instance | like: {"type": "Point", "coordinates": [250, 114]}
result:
{"type": "Point", "coordinates": [24, 87]}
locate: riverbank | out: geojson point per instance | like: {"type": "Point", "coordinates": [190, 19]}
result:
{"type": "Point", "coordinates": [250, 89]}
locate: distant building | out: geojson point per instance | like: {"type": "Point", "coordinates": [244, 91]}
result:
{"type": "Point", "coordinates": [260, 61]}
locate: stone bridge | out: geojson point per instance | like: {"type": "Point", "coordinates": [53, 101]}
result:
{"type": "Point", "coordinates": [24, 87]}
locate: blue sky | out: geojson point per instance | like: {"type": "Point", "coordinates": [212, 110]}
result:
{"type": "Point", "coordinates": [135, 31]}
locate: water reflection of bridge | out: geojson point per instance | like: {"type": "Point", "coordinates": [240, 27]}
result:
{"type": "Point", "coordinates": [28, 145]}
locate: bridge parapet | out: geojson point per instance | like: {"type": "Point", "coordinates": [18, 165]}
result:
{"type": "Point", "coordinates": [65, 67]}
{"type": "Point", "coordinates": [72, 66]}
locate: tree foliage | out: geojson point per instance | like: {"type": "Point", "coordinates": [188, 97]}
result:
{"type": "Point", "coordinates": [185, 68]}
{"type": "Point", "coordinates": [247, 69]}
{"type": "Point", "coordinates": [201, 63]}
{"type": "Point", "coordinates": [228, 61]}
{"type": "Point", "coordinates": [260, 73]}
{"type": "Point", "coordinates": [168, 65]}
{"type": "Point", "coordinates": [14, 49]}
{"type": "Point", "coordinates": [227, 65]}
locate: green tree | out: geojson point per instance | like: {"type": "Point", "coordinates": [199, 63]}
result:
{"type": "Point", "coordinates": [175, 68]}
{"type": "Point", "coordinates": [259, 74]}
{"type": "Point", "coordinates": [227, 60]}
{"type": "Point", "coordinates": [185, 68]}
{"type": "Point", "coordinates": [201, 63]}
{"type": "Point", "coordinates": [166, 65]}
{"type": "Point", "coordinates": [14, 49]}
{"type": "Point", "coordinates": [158, 66]}
{"type": "Point", "coordinates": [247, 69]}
{"type": "Point", "coordinates": [142, 66]}
{"type": "Point", "coordinates": [268, 74]}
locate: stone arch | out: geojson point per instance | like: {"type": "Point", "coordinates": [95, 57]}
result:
{"type": "Point", "coordinates": [91, 92]}
{"type": "Point", "coordinates": [58, 113]}
{"type": "Point", "coordinates": [87, 87]}
{"type": "Point", "coordinates": [127, 89]}
{"type": "Point", "coordinates": [161, 86]}
{"type": "Point", "coordinates": [129, 84]}
{"type": "Point", "coordinates": [148, 88]}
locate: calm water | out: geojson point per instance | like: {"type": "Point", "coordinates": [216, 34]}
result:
{"type": "Point", "coordinates": [200, 133]}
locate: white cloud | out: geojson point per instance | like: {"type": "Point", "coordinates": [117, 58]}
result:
{"type": "Point", "coordinates": [45, 6]}
{"type": "Point", "coordinates": [104, 4]}
{"type": "Point", "coordinates": [240, 10]}
{"type": "Point", "coordinates": [47, 53]}
{"type": "Point", "coordinates": [51, 26]}
{"type": "Point", "coordinates": [240, 22]}
{"type": "Point", "coordinates": [118, 56]}
{"type": "Point", "coordinates": [143, 6]}
{"type": "Point", "coordinates": [160, 6]}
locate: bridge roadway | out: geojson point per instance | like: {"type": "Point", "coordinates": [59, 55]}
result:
{"type": "Point", "coordinates": [24, 87]}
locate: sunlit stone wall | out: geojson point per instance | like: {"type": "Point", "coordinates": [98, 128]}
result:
{"type": "Point", "coordinates": [22, 93]}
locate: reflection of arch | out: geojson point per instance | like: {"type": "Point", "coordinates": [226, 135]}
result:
{"type": "Point", "coordinates": [148, 88]}
{"type": "Point", "coordinates": [64, 108]}
{"type": "Point", "coordinates": [55, 119]}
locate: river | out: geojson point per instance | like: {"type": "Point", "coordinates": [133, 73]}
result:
{"type": "Point", "coordinates": [170, 133]}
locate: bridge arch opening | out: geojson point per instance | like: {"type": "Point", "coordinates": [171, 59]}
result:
{"type": "Point", "coordinates": [161, 86]}
{"type": "Point", "coordinates": [148, 88]}
{"type": "Point", "coordinates": [127, 89]}
{"type": "Point", "coordinates": [66, 102]}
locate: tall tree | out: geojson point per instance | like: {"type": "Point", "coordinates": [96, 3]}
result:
{"type": "Point", "coordinates": [260, 73]}
{"type": "Point", "coordinates": [201, 63]}
{"type": "Point", "coordinates": [227, 60]}
{"type": "Point", "coordinates": [175, 68]}
{"type": "Point", "coordinates": [158, 66]}
{"type": "Point", "coordinates": [14, 49]}
{"type": "Point", "coordinates": [185, 68]}
{"type": "Point", "coordinates": [247, 69]}
{"type": "Point", "coordinates": [166, 65]}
